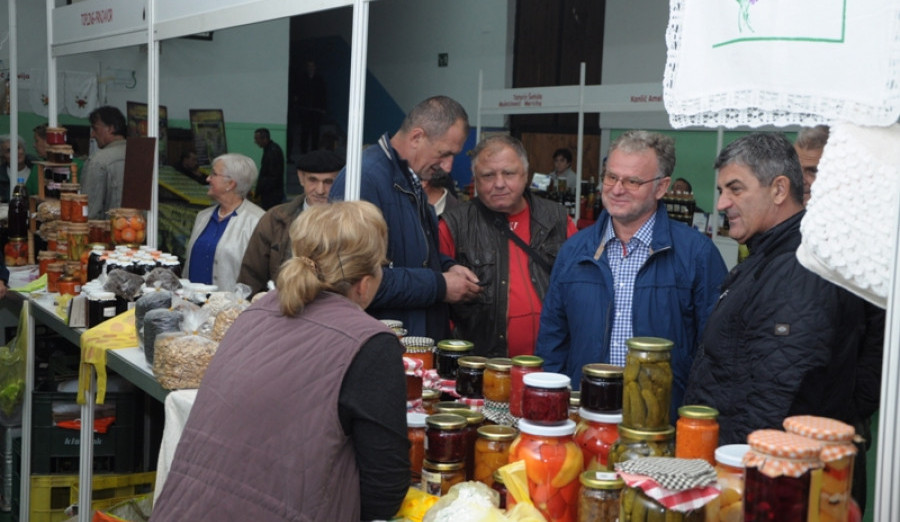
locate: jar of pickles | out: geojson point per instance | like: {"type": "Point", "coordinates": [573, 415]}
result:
{"type": "Point", "coordinates": [634, 444]}
{"type": "Point", "coordinates": [445, 438]}
{"type": "Point", "coordinates": [492, 451]}
{"type": "Point", "coordinates": [77, 238]}
{"type": "Point", "coordinates": [421, 348]}
{"type": "Point", "coordinates": [553, 463]}
{"type": "Point", "coordinates": [595, 435]}
{"type": "Point", "coordinates": [599, 498]}
{"type": "Point", "coordinates": [439, 477]}
{"type": "Point", "coordinates": [99, 232]}
{"type": "Point", "coordinates": [415, 432]}
{"type": "Point", "coordinates": [497, 379]}
{"type": "Point", "coordinates": [647, 380]}
{"type": "Point", "coordinates": [636, 505]}
{"type": "Point", "coordinates": [128, 226]}
{"type": "Point", "coordinates": [601, 388]}
{"type": "Point", "coordinates": [838, 454]}
{"type": "Point", "coordinates": [521, 365]}
{"type": "Point", "coordinates": [697, 433]}
{"type": "Point", "coordinates": [430, 397]}
{"type": "Point", "coordinates": [730, 478]}
{"type": "Point", "coordinates": [470, 376]}
{"type": "Point", "coordinates": [447, 356]}
{"type": "Point", "coordinates": [777, 477]}
{"type": "Point", "coordinates": [54, 272]}
{"type": "Point", "coordinates": [546, 397]}
{"type": "Point", "coordinates": [16, 251]}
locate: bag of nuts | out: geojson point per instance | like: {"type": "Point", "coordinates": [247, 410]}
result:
{"type": "Point", "coordinates": [228, 311]}
{"type": "Point", "coordinates": [180, 358]}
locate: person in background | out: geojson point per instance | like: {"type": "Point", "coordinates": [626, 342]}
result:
{"type": "Point", "coordinates": [103, 174]}
{"type": "Point", "coordinates": [302, 412]}
{"type": "Point", "coordinates": [270, 244]}
{"type": "Point", "coordinates": [810, 144]}
{"type": "Point", "coordinates": [221, 232]}
{"type": "Point", "coordinates": [189, 165]}
{"type": "Point", "coordinates": [420, 281]}
{"type": "Point", "coordinates": [562, 170]}
{"type": "Point", "coordinates": [23, 161]}
{"type": "Point", "coordinates": [503, 321]}
{"type": "Point", "coordinates": [633, 273]}
{"type": "Point", "coordinates": [439, 192]}
{"type": "Point", "coordinates": [39, 135]}
{"type": "Point", "coordinates": [682, 186]}
{"type": "Point", "coordinates": [270, 187]}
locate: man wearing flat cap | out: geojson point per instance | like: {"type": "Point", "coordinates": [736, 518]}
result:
{"type": "Point", "coordinates": [270, 244]}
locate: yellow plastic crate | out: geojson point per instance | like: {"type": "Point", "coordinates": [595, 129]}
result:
{"type": "Point", "coordinates": [52, 494]}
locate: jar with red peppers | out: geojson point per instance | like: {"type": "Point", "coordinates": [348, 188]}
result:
{"type": "Point", "coordinates": [415, 431]}
{"type": "Point", "coordinates": [521, 365]}
{"type": "Point", "coordinates": [546, 397]}
{"type": "Point", "coordinates": [445, 437]}
{"type": "Point", "coordinates": [595, 435]}
{"type": "Point", "coordinates": [470, 376]}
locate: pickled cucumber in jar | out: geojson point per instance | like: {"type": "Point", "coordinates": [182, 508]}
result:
{"type": "Point", "coordinates": [647, 381]}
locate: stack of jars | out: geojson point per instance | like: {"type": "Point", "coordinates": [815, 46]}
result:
{"type": "Point", "coordinates": [645, 430]}
{"type": "Point", "coordinates": [446, 362]}
{"type": "Point", "coordinates": [418, 358]}
{"type": "Point", "coordinates": [446, 436]}
{"type": "Point", "coordinates": [73, 232]}
{"type": "Point", "coordinates": [600, 413]}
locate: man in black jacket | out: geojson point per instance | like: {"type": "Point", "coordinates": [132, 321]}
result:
{"type": "Point", "coordinates": [270, 185]}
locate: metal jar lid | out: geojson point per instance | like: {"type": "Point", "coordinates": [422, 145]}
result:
{"type": "Point", "coordinates": [499, 364]}
{"type": "Point", "coordinates": [446, 421]}
{"type": "Point", "coordinates": [601, 480]}
{"type": "Point", "coordinates": [497, 432]}
{"type": "Point", "coordinates": [646, 435]}
{"type": "Point", "coordinates": [431, 465]}
{"type": "Point", "coordinates": [606, 371]}
{"type": "Point", "coordinates": [455, 345]}
{"type": "Point", "coordinates": [528, 361]}
{"type": "Point", "coordinates": [649, 344]}
{"type": "Point", "coordinates": [697, 411]}
{"type": "Point", "coordinates": [475, 362]}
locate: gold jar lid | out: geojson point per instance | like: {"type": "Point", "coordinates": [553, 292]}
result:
{"type": "Point", "coordinates": [455, 345]}
{"type": "Point", "coordinates": [607, 371]}
{"type": "Point", "coordinates": [498, 433]}
{"type": "Point", "coordinates": [80, 197]}
{"type": "Point", "coordinates": [446, 421]}
{"type": "Point", "coordinates": [17, 239]}
{"type": "Point", "coordinates": [498, 477]}
{"type": "Point", "coordinates": [575, 399]}
{"type": "Point", "coordinates": [472, 361]}
{"type": "Point", "coordinates": [649, 344]}
{"type": "Point", "coordinates": [697, 411]}
{"type": "Point", "coordinates": [57, 266]}
{"type": "Point", "coordinates": [499, 364]}
{"type": "Point", "coordinates": [450, 407]}
{"type": "Point", "coordinates": [430, 394]}
{"type": "Point", "coordinates": [635, 434]}
{"type": "Point", "coordinates": [442, 466]}
{"type": "Point", "coordinates": [601, 480]}
{"type": "Point", "coordinates": [528, 361]}
{"type": "Point", "coordinates": [473, 418]}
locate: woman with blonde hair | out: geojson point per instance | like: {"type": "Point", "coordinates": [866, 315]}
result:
{"type": "Point", "coordinates": [302, 412]}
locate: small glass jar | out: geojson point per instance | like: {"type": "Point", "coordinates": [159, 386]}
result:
{"type": "Point", "coordinates": [56, 136]}
{"type": "Point", "coordinates": [415, 432]}
{"type": "Point", "coordinates": [445, 437]}
{"type": "Point", "coordinates": [634, 444]}
{"type": "Point", "coordinates": [697, 433]}
{"type": "Point", "coordinates": [69, 285]}
{"type": "Point", "coordinates": [421, 348]}
{"type": "Point", "coordinates": [439, 477]}
{"type": "Point", "coordinates": [470, 376]}
{"type": "Point", "coordinates": [647, 380]}
{"type": "Point", "coordinates": [54, 272]}
{"type": "Point", "coordinates": [601, 388]}
{"type": "Point", "coordinates": [50, 237]}
{"type": "Point", "coordinates": [430, 397]}
{"type": "Point", "coordinates": [447, 356]}
{"type": "Point", "coordinates": [599, 498]}
{"type": "Point", "coordinates": [474, 421]}
{"type": "Point", "coordinates": [500, 488]}
{"type": "Point", "coordinates": [521, 365]}
{"type": "Point", "coordinates": [497, 379]}
{"type": "Point", "coordinates": [595, 435]}
{"type": "Point", "coordinates": [396, 326]}
{"type": "Point", "coordinates": [79, 208]}
{"type": "Point", "coordinates": [68, 188]}
{"type": "Point", "coordinates": [546, 397]}
{"type": "Point", "coordinates": [44, 259]}
{"type": "Point", "coordinates": [65, 206]}
{"type": "Point", "coordinates": [492, 451]}
{"type": "Point", "coordinates": [575, 406]}
{"type": "Point", "coordinates": [777, 476]}
{"type": "Point", "coordinates": [645, 508]}
{"type": "Point", "coordinates": [451, 407]}
{"type": "Point", "coordinates": [730, 480]}
{"type": "Point", "coordinates": [99, 232]}
{"type": "Point", "coordinates": [16, 252]}
{"type": "Point", "coordinates": [101, 306]}
{"type": "Point", "coordinates": [413, 387]}
{"type": "Point", "coordinates": [74, 270]}
{"type": "Point", "coordinates": [77, 240]}
{"type": "Point", "coordinates": [128, 226]}
{"type": "Point", "coordinates": [59, 153]}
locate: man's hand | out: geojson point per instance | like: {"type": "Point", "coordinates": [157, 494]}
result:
{"type": "Point", "coordinates": [462, 285]}
{"type": "Point", "coordinates": [3, 289]}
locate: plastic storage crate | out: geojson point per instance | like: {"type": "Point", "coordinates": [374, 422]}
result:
{"type": "Point", "coordinates": [51, 495]}
{"type": "Point", "coordinates": [10, 472]}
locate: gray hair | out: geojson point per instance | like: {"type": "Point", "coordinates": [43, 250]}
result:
{"type": "Point", "coordinates": [767, 155]}
{"type": "Point", "coordinates": [663, 146]}
{"type": "Point", "coordinates": [435, 116]}
{"type": "Point", "coordinates": [240, 169]}
{"type": "Point", "coordinates": [7, 137]}
{"type": "Point", "coordinates": [813, 138]}
{"type": "Point", "coordinates": [497, 141]}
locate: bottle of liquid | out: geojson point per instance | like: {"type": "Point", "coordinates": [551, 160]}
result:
{"type": "Point", "coordinates": [18, 210]}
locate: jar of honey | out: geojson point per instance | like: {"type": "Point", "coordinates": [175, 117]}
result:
{"type": "Point", "coordinates": [16, 252]}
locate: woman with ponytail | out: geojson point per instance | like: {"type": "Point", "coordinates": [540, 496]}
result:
{"type": "Point", "coordinates": [302, 412]}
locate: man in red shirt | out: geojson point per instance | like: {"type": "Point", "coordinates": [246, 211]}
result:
{"type": "Point", "coordinates": [510, 239]}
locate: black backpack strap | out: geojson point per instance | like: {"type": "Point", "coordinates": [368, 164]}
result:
{"type": "Point", "coordinates": [500, 223]}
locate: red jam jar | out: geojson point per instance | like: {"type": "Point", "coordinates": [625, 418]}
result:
{"type": "Point", "coordinates": [415, 431]}
{"type": "Point", "coordinates": [595, 435]}
{"type": "Point", "coordinates": [546, 397]}
{"type": "Point", "coordinates": [601, 388]}
{"type": "Point", "coordinates": [56, 136]}
{"type": "Point", "coordinates": [470, 376]}
{"type": "Point", "coordinates": [445, 438]}
{"type": "Point", "coordinates": [777, 476]}
{"type": "Point", "coordinates": [521, 365]}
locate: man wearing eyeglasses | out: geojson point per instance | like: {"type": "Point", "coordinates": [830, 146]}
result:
{"type": "Point", "coordinates": [633, 273]}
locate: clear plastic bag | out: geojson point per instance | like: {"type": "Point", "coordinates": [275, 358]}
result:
{"type": "Point", "coordinates": [151, 300]}
{"type": "Point", "coordinates": [228, 312]}
{"type": "Point", "coordinates": [156, 322]}
{"type": "Point", "coordinates": [165, 278]}
{"type": "Point", "coordinates": [181, 358]}
{"type": "Point", "coordinates": [124, 284]}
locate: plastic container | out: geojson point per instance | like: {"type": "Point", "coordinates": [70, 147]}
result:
{"type": "Point", "coordinates": [601, 388]}
{"type": "Point", "coordinates": [778, 472]}
{"type": "Point", "coordinates": [599, 497]}
{"type": "Point", "coordinates": [447, 356]}
{"type": "Point", "coordinates": [546, 397]}
{"type": "Point", "coordinates": [439, 477]}
{"type": "Point", "coordinates": [445, 438]}
{"type": "Point", "coordinates": [415, 431]}
{"type": "Point", "coordinates": [697, 433]}
{"type": "Point", "coordinates": [15, 253]}
{"type": "Point", "coordinates": [421, 348]}
{"type": "Point", "coordinates": [470, 376]}
{"type": "Point", "coordinates": [647, 380]}
{"type": "Point", "coordinates": [521, 366]}
{"type": "Point", "coordinates": [595, 435]}
{"type": "Point", "coordinates": [634, 444]}
{"type": "Point", "coordinates": [497, 379]}
{"type": "Point", "coordinates": [492, 451]}
{"type": "Point", "coordinates": [730, 472]}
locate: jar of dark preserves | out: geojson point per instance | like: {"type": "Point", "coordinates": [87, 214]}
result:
{"type": "Point", "coordinates": [470, 376]}
{"type": "Point", "coordinates": [101, 306]}
{"type": "Point", "coordinates": [601, 388]}
{"type": "Point", "coordinates": [500, 488]}
{"type": "Point", "coordinates": [546, 397]}
{"type": "Point", "coordinates": [447, 356]}
{"type": "Point", "coordinates": [521, 365]}
{"type": "Point", "coordinates": [474, 421]}
{"type": "Point", "coordinates": [599, 498]}
{"type": "Point", "coordinates": [439, 477]}
{"type": "Point", "coordinates": [445, 437]}
{"type": "Point", "coordinates": [778, 470]}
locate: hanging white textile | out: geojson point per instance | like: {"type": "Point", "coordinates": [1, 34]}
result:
{"type": "Point", "coordinates": [37, 95]}
{"type": "Point", "coordinates": [80, 93]}
{"type": "Point", "coordinates": [849, 230]}
{"type": "Point", "coordinates": [769, 62]}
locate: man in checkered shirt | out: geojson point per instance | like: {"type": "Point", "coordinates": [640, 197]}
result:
{"type": "Point", "coordinates": [633, 273]}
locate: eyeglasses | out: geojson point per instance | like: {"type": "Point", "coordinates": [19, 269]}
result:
{"type": "Point", "coordinates": [632, 184]}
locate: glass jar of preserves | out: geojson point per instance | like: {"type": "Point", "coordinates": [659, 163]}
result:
{"type": "Point", "coordinates": [99, 232]}
{"type": "Point", "coordinates": [470, 376]}
{"type": "Point", "coordinates": [56, 136]}
{"type": "Point", "coordinates": [421, 348]}
{"type": "Point", "coordinates": [647, 380]}
{"type": "Point", "coordinates": [415, 432]}
{"type": "Point", "coordinates": [73, 269]}
{"type": "Point", "coordinates": [575, 406]}
{"type": "Point", "coordinates": [65, 206]}
{"type": "Point", "coordinates": [445, 437]}
{"type": "Point", "coordinates": [521, 365]}
{"type": "Point", "coordinates": [101, 306]}
{"type": "Point", "coordinates": [595, 435]}
{"type": "Point", "coordinates": [69, 285]}
{"type": "Point", "coordinates": [500, 488]}
{"type": "Point", "coordinates": [730, 478]}
{"type": "Point", "coordinates": [599, 498]}
{"type": "Point", "coordinates": [413, 378]}
{"type": "Point", "coordinates": [546, 397]}
{"type": "Point", "coordinates": [15, 253]}
{"type": "Point", "coordinates": [697, 433]}
{"type": "Point", "coordinates": [44, 259]}
{"type": "Point", "coordinates": [77, 238]}
{"type": "Point", "coordinates": [439, 477]}
{"type": "Point", "coordinates": [128, 226]}
{"type": "Point", "coordinates": [54, 272]}
{"type": "Point", "coordinates": [636, 505]}
{"type": "Point", "coordinates": [634, 444]}
{"type": "Point", "coordinates": [474, 420]}
{"type": "Point", "coordinates": [838, 455]}
{"type": "Point", "coordinates": [553, 463]}
{"type": "Point", "coordinates": [777, 476]}
{"type": "Point", "coordinates": [450, 407]}
{"type": "Point", "coordinates": [430, 397]}
{"type": "Point", "coordinates": [78, 210]}
{"type": "Point", "coordinates": [447, 356]}
{"type": "Point", "coordinates": [396, 326]}
{"type": "Point", "coordinates": [492, 451]}
{"type": "Point", "coordinates": [68, 188]}
{"type": "Point", "coordinates": [497, 379]}
{"type": "Point", "coordinates": [50, 237]}
{"type": "Point", "coordinates": [601, 388]}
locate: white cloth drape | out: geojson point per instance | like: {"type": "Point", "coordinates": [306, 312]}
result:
{"type": "Point", "coordinates": [80, 93]}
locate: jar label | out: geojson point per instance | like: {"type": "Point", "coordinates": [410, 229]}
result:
{"type": "Point", "coordinates": [109, 311]}
{"type": "Point", "coordinates": [431, 482]}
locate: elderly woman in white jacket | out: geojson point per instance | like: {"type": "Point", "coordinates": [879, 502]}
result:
{"type": "Point", "coordinates": [222, 231]}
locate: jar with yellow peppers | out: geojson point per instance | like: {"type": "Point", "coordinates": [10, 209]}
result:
{"type": "Point", "coordinates": [492, 451]}
{"type": "Point", "coordinates": [497, 379]}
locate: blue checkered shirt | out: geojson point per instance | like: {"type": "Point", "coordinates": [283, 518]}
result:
{"type": "Point", "coordinates": [625, 263]}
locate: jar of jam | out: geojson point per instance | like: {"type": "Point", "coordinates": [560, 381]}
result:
{"type": "Point", "coordinates": [474, 420]}
{"type": "Point", "coordinates": [595, 435]}
{"type": "Point", "coordinates": [430, 397]}
{"type": "Point", "coordinates": [445, 438]}
{"type": "Point", "coordinates": [415, 431]}
{"type": "Point", "coordinates": [128, 226]}
{"type": "Point", "coordinates": [44, 259]}
{"type": "Point", "coordinates": [492, 451]}
{"type": "Point", "coordinates": [56, 136]}
{"type": "Point", "coordinates": [16, 252]}
{"type": "Point", "coordinates": [470, 376]}
{"type": "Point", "coordinates": [500, 488]}
{"type": "Point", "coordinates": [634, 444]}
{"type": "Point", "coordinates": [575, 406]}
{"type": "Point", "coordinates": [421, 348]}
{"type": "Point", "coordinates": [101, 306]}
{"type": "Point", "coordinates": [65, 206]}
{"type": "Point", "coordinates": [647, 381]}
{"type": "Point", "coordinates": [777, 476]}
{"type": "Point", "coordinates": [99, 232]}
{"type": "Point", "coordinates": [697, 433]}
{"type": "Point", "coordinates": [601, 388]}
{"type": "Point", "coordinates": [61, 153]}
{"type": "Point", "coordinates": [546, 397]}
{"type": "Point", "coordinates": [396, 326]}
{"type": "Point", "coordinates": [54, 272]}
{"type": "Point", "coordinates": [439, 477]}
{"type": "Point", "coordinates": [730, 479]}
{"type": "Point", "coordinates": [69, 285]}
{"type": "Point", "coordinates": [497, 379]}
{"type": "Point", "coordinates": [599, 497]}
{"type": "Point", "coordinates": [79, 208]}
{"type": "Point", "coordinates": [521, 365]}
{"type": "Point", "coordinates": [838, 455]}
{"type": "Point", "coordinates": [77, 240]}
{"type": "Point", "coordinates": [553, 463]}
{"type": "Point", "coordinates": [50, 237]}
{"type": "Point", "coordinates": [68, 188]}
{"type": "Point", "coordinates": [447, 356]}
